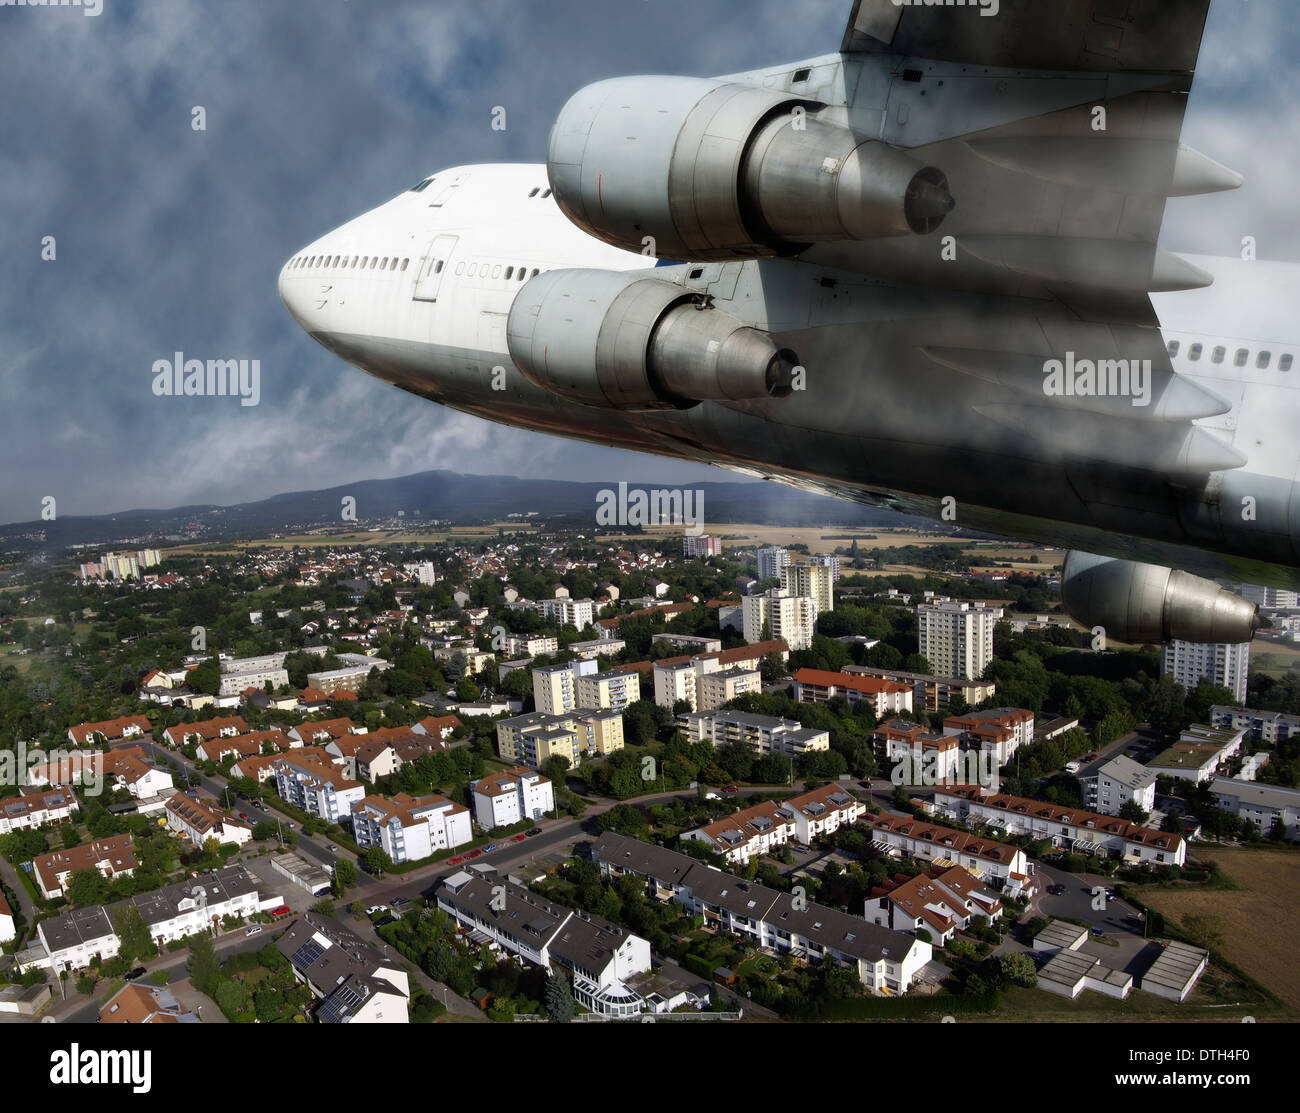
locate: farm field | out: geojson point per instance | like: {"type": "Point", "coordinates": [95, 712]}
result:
{"type": "Point", "coordinates": [1253, 919]}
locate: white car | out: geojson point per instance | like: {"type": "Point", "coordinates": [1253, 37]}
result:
{"type": "Point", "coordinates": [256, 929]}
{"type": "Point", "coordinates": [375, 908]}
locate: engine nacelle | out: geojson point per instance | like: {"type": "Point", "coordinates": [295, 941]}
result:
{"type": "Point", "coordinates": [1141, 603]}
{"type": "Point", "coordinates": [627, 342]}
{"type": "Point", "coordinates": [712, 170]}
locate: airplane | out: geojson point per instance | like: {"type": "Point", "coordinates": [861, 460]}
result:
{"type": "Point", "coordinates": [921, 273]}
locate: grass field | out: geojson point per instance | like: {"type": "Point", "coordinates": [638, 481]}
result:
{"type": "Point", "coordinates": [1255, 919]}
{"type": "Point", "coordinates": [1273, 659]}
{"type": "Point", "coordinates": [356, 539]}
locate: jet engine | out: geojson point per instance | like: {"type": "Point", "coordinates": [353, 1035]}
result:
{"type": "Point", "coordinates": [696, 169]}
{"type": "Point", "coordinates": [1141, 603]}
{"type": "Point", "coordinates": [627, 342]}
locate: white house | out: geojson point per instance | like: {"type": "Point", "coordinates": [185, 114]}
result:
{"type": "Point", "coordinates": [200, 820]}
{"type": "Point", "coordinates": [507, 797]}
{"type": "Point", "coordinates": [354, 982]}
{"type": "Point", "coordinates": [942, 905]}
{"type": "Point", "coordinates": [1110, 785]}
{"type": "Point", "coordinates": [319, 790]}
{"type": "Point", "coordinates": [408, 828]}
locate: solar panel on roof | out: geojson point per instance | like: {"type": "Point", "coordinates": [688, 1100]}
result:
{"type": "Point", "coordinates": [307, 954]}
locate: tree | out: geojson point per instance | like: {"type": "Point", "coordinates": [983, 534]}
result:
{"type": "Point", "coordinates": [559, 998]}
{"type": "Point", "coordinates": [1134, 812]}
{"type": "Point", "coordinates": [377, 861]}
{"type": "Point", "coordinates": [135, 941]}
{"type": "Point", "coordinates": [202, 964]}
{"type": "Point", "coordinates": [1018, 968]}
{"type": "Point", "coordinates": [345, 874]}
{"type": "Point", "coordinates": [87, 887]}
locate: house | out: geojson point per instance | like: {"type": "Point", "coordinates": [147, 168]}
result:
{"type": "Point", "coordinates": [375, 758]}
{"type": "Point", "coordinates": [113, 730]}
{"type": "Point", "coordinates": [408, 828]}
{"type": "Point", "coordinates": [943, 903]}
{"type": "Point", "coordinates": [1073, 829]}
{"type": "Point", "coordinates": [35, 808]}
{"type": "Point", "coordinates": [601, 957]}
{"type": "Point", "coordinates": [760, 828]}
{"type": "Point", "coordinates": [507, 797]}
{"type": "Point", "coordinates": [242, 745]}
{"type": "Point", "coordinates": [199, 820]}
{"type": "Point", "coordinates": [187, 734]}
{"type": "Point", "coordinates": [320, 790]}
{"type": "Point", "coordinates": [885, 697]}
{"type": "Point", "coordinates": [1000, 731]}
{"type": "Point", "coordinates": [437, 726]}
{"type": "Point", "coordinates": [112, 857]}
{"type": "Point", "coordinates": [7, 929]}
{"type": "Point", "coordinates": [144, 1004]}
{"type": "Point", "coordinates": [1262, 804]}
{"type": "Point", "coordinates": [353, 982]}
{"type": "Point", "coordinates": [306, 734]}
{"type": "Point", "coordinates": [916, 755]}
{"type": "Point", "coordinates": [1108, 786]}
{"type": "Point", "coordinates": [1005, 866]}
{"type": "Point", "coordinates": [884, 960]}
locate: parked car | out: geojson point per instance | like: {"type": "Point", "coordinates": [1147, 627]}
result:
{"type": "Point", "coordinates": [256, 929]}
{"type": "Point", "coordinates": [399, 902]}
{"type": "Point", "coordinates": [1097, 930]}
{"type": "Point", "coordinates": [732, 788]}
{"type": "Point", "coordinates": [191, 792]}
{"type": "Point", "coordinates": [489, 848]}
{"type": "Point", "coordinates": [375, 908]}
{"type": "Point", "coordinates": [332, 848]}
{"type": "Point", "coordinates": [1056, 890]}
{"type": "Point", "coordinates": [456, 861]}
{"type": "Point", "coordinates": [474, 854]}
{"type": "Point", "coordinates": [518, 838]}
{"type": "Point", "coordinates": [534, 831]}
{"type": "Point", "coordinates": [389, 919]}
{"type": "Point", "coordinates": [131, 975]}
{"type": "Point", "coordinates": [281, 912]}
{"type": "Point", "coordinates": [245, 817]}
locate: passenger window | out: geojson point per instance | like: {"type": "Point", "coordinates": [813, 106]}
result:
{"type": "Point", "coordinates": [1194, 352]}
{"type": "Point", "coordinates": [1265, 358]}
{"type": "Point", "coordinates": [523, 273]}
{"type": "Point", "coordinates": [536, 192]}
{"type": "Point", "coordinates": [422, 186]}
{"type": "Point", "coordinates": [437, 267]}
{"type": "Point", "coordinates": [473, 270]}
{"type": "Point", "coordinates": [373, 262]}
{"type": "Point", "coordinates": [1243, 357]}
{"type": "Point", "coordinates": [1285, 363]}
{"type": "Point", "coordinates": [1174, 347]}
{"type": "Point", "coordinates": [546, 194]}
{"type": "Point", "coordinates": [496, 272]}
{"type": "Point", "coordinates": [460, 268]}
{"type": "Point", "coordinates": [536, 272]}
{"type": "Point", "coordinates": [364, 258]}
{"type": "Point", "coordinates": [510, 273]}
{"type": "Point", "coordinates": [404, 262]}
{"type": "Point", "coordinates": [1219, 354]}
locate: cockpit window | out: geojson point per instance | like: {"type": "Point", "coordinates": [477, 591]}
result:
{"type": "Point", "coordinates": [422, 186]}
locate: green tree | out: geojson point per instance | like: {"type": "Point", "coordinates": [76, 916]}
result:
{"type": "Point", "coordinates": [345, 874]}
{"type": "Point", "coordinates": [377, 861]}
{"type": "Point", "coordinates": [559, 998]}
{"type": "Point", "coordinates": [202, 964]}
{"type": "Point", "coordinates": [87, 887]}
{"type": "Point", "coordinates": [135, 941]}
{"type": "Point", "coordinates": [1018, 969]}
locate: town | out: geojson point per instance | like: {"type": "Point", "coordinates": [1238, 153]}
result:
{"type": "Point", "coordinates": [546, 774]}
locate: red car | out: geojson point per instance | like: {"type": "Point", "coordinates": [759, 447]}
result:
{"type": "Point", "coordinates": [732, 788]}
{"type": "Point", "coordinates": [281, 912]}
{"type": "Point", "coordinates": [456, 861]}
{"type": "Point", "coordinates": [473, 854]}
{"type": "Point", "coordinates": [518, 838]}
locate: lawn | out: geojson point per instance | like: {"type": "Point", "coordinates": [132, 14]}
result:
{"type": "Point", "coordinates": [1254, 919]}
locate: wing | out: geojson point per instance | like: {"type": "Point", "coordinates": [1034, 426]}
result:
{"type": "Point", "coordinates": [1150, 36]}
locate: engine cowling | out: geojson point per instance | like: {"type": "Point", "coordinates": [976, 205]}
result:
{"type": "Point", "coordinates": [710, 170]}
{"type": "Point", "coordinates": [1146, 603]}
{"type": "Point", "coordinates": [627, 342]}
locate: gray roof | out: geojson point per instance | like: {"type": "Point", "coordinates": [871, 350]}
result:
{"type": "Point", "coordinates": [347, 973]}
{"type": "Point", "coordinates": [77, 925]}
{"type": "Point", "coordinates": [1123, 770]}
{"type": "Point", "coordinates": [839, 931]}
{"type": "Point", "coordinates": [1177, 966]}
{"type": "Point", "coordinates": [1257, 795]}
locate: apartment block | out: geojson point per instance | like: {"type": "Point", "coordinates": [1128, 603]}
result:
{"type": "Point", "coordinates": [531, 645]}
{"type": "Point", "coordinates": [1108, 786]}
{"type": "Point", "coordinates": [701, 547]}
{"type": "Point", "coordinates": [578, 613]}
{"type": "Point", "coordinates": [942, 904]}
{"type": "Point", "coordinates": [956, 637]}
{"type": "Point", "coordinates": [409, 828]}
{"type": "Point", "coordinates": [510, 796]}
{"type": "Point", "coordinates": [1198, 754]}
{"type": "Point", "coordinates": [761, 828]}
{"type": "Point", "coordinates": [999, 732]}
{"type": "Point", "coordinates": [1189, 663]}
{"type": "Point", "coordinates": [1263, 726]}
{"type": "Point", "coordinates": [611, 691]}
{"type": "Point", "coordinates": [555, 688]}
{"type": "Point", "coordinates": [319, 790]}
{"type": "Point", "coordinates": [788, 618]}
{"type": "Point", "coordinates": [1003, 865]}
{"type": "Point", "coordinates": [772, 562]}
{"type": "Point", "coordinates": [764, 734]}
{"type": "Point", "coordinates": [885, 697]}
{"type": "Point", "coordinates": [932, 693]}
{"type": "Point", "coordinates": [809, 578]}
{"type": "Point", "coordinates": [1263, 805]}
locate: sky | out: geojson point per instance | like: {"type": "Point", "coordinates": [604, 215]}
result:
{"type": "Point", "coordinates": [168, 239]}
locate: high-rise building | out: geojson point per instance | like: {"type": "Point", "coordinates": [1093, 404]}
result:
{"type": "Point", "coordinates": [1190, 662]}
{"type": "Point", "coordinates": [422, 572]}
{"type": "Point", "coordinates": [807, 578]}
{"type": "Point", "coordinates": [828, 560]}
{"type": "Point", "coordinates": [771, 562]}
{"type": "Point", "coordinates": [1270, 598]}
{"type": "Point", "coordinates": [792, 618]}
{"type": "Point", "coordinates": [702, 546]}
{"type": "Point", "coordinates": [578, 613]}
{"type": "Point", "coordinates": [608, 690]}
{"type": "Point", "coordinates": [956, 637]}
{"type": "Point", "coordinates": [555, 688]}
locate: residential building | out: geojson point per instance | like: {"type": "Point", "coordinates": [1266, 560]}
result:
{"type": "Point", "coordinates": [956, 638]}
{"type": "Point", "coordinates": [885, 697]}
{"type": "Point", "coordinates": [113, 730]}
{"type": "Point", "coordinates": [188, 734]}
{"type": "Point", "coordinates": [772, 562]}
{"type": "Point", "coordinates": [1073, 829]}
{"type": "Point", "coordinates": [1190, 662]}
{"type": "Point", "coordinates": [1270, 598]}
{"type": "Point", "coordinates": [578, 613]}
{"type": "Point", "coordinates": [531, 645]}
{"type": "Point", "coordinates": [507, 797]}
{"type": "Point", "coordinates": [917, 756]}
{"type": "Point", "coordinates": [760, 828]}
{"type": "Point", "coordinates": [602, 958]}
{"type": "Point", "coordinates": [932, 693]}
{"type": "Point", "coordinates": [789, 618]}
{"type": "Point", "coordinates": [408, 828]}
{"type": "Point", "coordinates": [319, 790]}
{"type": "Point", "coordinates": [1109, 785]}
{"type": "Point", "coordinates": [715, 689]}
{"type": "Point", "coordinates": [1198, 754]}
{"type": "Point", "coordinates": [613, 690]}
{"type": "Point", "coordinates": [135, 1003]}
{"type": "Point", "coordinates": [826, 560]}
{"type": "Point", "coordinates": [808, 578]}
{"type": "Point", "coordinates": [885, 961]}
{"type": "Point", "coordinates": [1005, 866]}
{"type": "Point", "coordinates": [942, 903]}
{"type": "Point", "coordinates": [555, 688]}
{"type": "Point", "coordinates": [1264, 805]}
{"type": "Point", "coordinates": [1000, 732]}
{"type": "Point", "coordinates": [198, 820]}
{"type": "Point", "coordinates": [765, 734]}
{"type": "Point", "coordinates": [35, 808]}
{"type": "Point", "coordinates": [1263, 726]}
{"type": "Point", "coordinates": [265, 672]}
{"type": "Point", "coordinates": [7, 930]}
{"type": "Point", "coordinates": [701, 547]}
{"type": "Point", "coordinates": [353, 982]}
{"type": "Point", "coordinates": [112, 857]}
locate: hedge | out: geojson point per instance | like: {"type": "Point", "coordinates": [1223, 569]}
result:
{"type": "Point", "coordinates": [907, 1008]}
